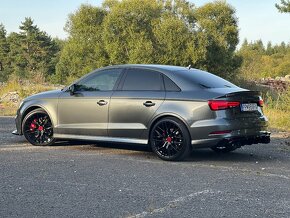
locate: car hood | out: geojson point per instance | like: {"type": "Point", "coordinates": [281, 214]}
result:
{"type": "Point", "coordinates": [47, 94]}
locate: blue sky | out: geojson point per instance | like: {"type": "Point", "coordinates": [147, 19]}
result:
{"type": "Point", "coordinates": [258, 19]}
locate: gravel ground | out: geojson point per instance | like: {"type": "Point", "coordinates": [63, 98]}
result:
{"type": "Point", "coordinates": [77, 179]}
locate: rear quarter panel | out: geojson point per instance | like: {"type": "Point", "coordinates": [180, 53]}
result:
{"type": "Point", "coordinates": [185, 109]}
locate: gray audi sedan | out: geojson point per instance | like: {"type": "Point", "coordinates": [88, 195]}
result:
{"type": "Point", "coordinates": [172, 109]}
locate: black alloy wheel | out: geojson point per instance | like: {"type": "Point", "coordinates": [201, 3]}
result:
{"type": "Point", "coordinates": [170, 139]}
{"type": "Point", "coordinates": [37, 128]}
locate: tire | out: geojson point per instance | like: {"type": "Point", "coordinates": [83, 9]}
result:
{"type": "Point", "coordinates": [37, 128]}
{"type": "Point", "coordinates": [170, 139]}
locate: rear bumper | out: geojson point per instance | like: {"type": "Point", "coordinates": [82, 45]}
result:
{"type": "Point", "coordinates": [209, 133]}
{"type": "Point", "coordinates": [237, 140]}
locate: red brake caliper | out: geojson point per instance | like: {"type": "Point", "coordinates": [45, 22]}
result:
{"type": "Point", "coordinates": [33, 125]}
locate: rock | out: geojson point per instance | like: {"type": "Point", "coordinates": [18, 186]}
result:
{"type": "Point", "coordinates": [10, 97]}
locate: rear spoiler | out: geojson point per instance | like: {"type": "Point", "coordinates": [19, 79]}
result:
{"type": "Point", "coordinates": [243, 93]}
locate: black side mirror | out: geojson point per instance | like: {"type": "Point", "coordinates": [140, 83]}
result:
{"type": "Point", "coordinates": [72, 89]}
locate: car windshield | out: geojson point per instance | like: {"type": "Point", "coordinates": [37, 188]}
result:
{"type": "Point", "coordinates": [205, 80]}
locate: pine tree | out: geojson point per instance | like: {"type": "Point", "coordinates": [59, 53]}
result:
{"type": "Point", "coordinates": [4, 50]}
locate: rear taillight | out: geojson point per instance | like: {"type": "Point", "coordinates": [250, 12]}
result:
{"type": "Point", "coordinates": [261, 103]}
{"type": "Point", "coordinates": [221, 104]}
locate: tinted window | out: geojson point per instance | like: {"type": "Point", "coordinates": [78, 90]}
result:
{"type": "Point", "coordinates": [100, 81]}
{"type": "Point", "coordinates": [204, 79]}
{"type": "Point", "coordinates": [142, 80]}
{"type": "Point", "coordinates": [170, 85]}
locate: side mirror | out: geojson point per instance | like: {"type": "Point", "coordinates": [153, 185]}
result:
{"type": "Point", "coordinates": [72, 89]}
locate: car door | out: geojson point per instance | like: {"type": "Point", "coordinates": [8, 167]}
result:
{"type": "Point", "coordinates": [85, 113]}
{"type": "Point", "coordinates": [139, 95]}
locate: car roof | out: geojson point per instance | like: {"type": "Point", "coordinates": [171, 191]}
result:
{"type": "Point", "coordinates": [150, 66]}
{"type": "Point", "coordinates": [185, 77]}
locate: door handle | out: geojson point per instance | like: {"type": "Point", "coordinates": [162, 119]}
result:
{"type": "Point", "coordinates": [148, 103]}
{"type": "Point", "coordinates": [102, 102]}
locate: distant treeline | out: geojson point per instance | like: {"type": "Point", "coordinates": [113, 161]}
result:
{"type": "Point", "coordinates": [139, 31]}
{"type": "Point", "coordinates": [260, 61]}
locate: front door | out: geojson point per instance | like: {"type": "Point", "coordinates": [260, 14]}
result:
{"type": "Point", "coordinates": [85, 113]}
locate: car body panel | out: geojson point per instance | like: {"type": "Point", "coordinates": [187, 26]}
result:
{"type": "Point", "coordinates": [128, 117]}
{"type": "Point", "coordinates": [125, 119]}
{"type": "Point", "coordinates": [80, 114]}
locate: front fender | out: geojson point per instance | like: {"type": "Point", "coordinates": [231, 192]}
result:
{"type": "Point", "coordinates": [49, 105]}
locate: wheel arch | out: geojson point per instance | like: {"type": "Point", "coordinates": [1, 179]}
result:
{"type": "Point", "coordinates": [32, 108]}
{"type": "Point", "coordinates": [166, 115]}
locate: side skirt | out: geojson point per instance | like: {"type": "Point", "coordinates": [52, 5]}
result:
{"type": "Point", "coordinates": [101, 138]}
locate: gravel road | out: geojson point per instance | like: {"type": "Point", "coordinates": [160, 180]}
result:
{"type": "Point", "coordinates": [77, 179]}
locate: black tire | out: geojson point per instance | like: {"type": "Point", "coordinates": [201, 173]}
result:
{"type": "Point", "coordinates": [37, 128]}
{"type": "Point", "coordinates": [170, 139]}
{"type": "Point", "coordinates": [224, 149]}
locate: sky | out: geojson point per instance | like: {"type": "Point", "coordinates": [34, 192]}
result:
{"type": "Point", "coordinates": [258, 19]}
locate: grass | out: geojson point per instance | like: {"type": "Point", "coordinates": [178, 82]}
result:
{"type": "Point", "coordinates": [278, 119]}
{"type": "Point", "coordinates": [277, 109]}
{"type": "Point", "coordinates": [23, 89]}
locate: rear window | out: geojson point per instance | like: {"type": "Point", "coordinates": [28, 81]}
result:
{"type": "Point", "coordinates": [170, 85]}
{"type": "Point", "coordinates": [204, 79]}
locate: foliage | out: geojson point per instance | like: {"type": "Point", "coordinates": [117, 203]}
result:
{"type": "Point", "coordinates": [84, 49]}
{"type": "Point", "coordinates": [278, 109]}
{"type": "Point", "coordinates": [284, 7]}
{"type": "Point", "coordinates": [261, 62]}
{"type": "Point", "coordinates": [150, 31]}
{"type": "Point", "coordinates": [4, 50]}
{"type": "Point", "coordinates": [29, 54]}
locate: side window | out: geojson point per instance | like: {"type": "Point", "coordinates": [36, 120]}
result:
{"type": "Point", "coordinates": [142, 80]}
{"type": "Point", "coordinates": [170, 85]}
{"type": "Point", "coordinates": [100, 81]}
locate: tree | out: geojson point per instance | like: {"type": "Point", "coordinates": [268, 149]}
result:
{"type": "Point", "coordinates": [284, 6]}
{"type": "Point", "coordinates": [32, 52]}
{"type": "Point", "coordinates": [4, 50]}
{"type": "Point", "coordinates": [150, 31]}
{"type": "Point", "coordinates": [84, 49]}
{"type": "Point", "coordinates": [217, 38]}
{"type": "Point", "coordinates": [172, 41]}
{"type": "Point", "coordinates": [259, 62]}
{"type": "Point", "coordinates": [128, 31]}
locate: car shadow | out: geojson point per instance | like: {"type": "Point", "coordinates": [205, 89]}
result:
{"type": "Point", "coordinates": [197, 155]}
{"type": "Point", "coordinates": [235, 156]}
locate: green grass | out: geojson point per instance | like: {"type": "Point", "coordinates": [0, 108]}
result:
{"type": "Point", "coordinates": [277, 109]}
{"type": "Point", "coordinates": [278, 119]}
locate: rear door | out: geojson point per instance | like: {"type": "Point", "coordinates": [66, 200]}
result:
{"type": "Point", "coordinates": [140, 94]}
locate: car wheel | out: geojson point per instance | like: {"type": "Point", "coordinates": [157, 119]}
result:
{"type": "Point", "coordinates": [170, 140]}
{"type": "Point", "coordinates": [224, 148]}
{"type": "Point", "coordinates": [37, 128]}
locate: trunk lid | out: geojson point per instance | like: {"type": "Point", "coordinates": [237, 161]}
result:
{"type": "Point", "coordinates": [249, 104]}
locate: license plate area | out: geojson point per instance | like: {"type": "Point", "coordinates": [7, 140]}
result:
{"type": "Point", "coordinates": [249, 107]}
